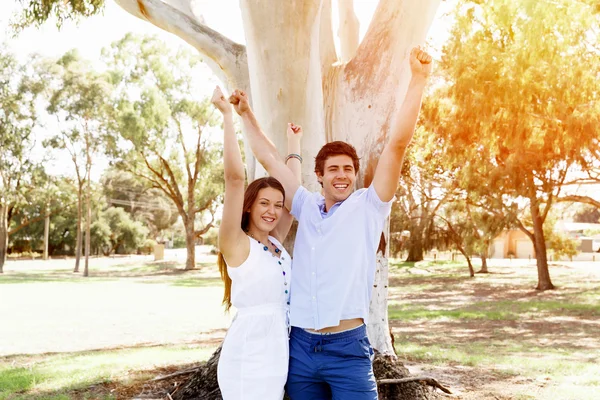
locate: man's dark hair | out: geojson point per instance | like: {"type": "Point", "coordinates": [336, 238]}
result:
{"type": "Point", "coordinates": [336, 149]}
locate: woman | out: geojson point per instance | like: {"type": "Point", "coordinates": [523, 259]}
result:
{"type": "Point", "coordinates": [256, 270]}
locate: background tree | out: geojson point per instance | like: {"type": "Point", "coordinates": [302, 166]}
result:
{"type": "Point", "coordinates": [18, 117]}
{"type": "Point", "coordinates": [47, 196]}
{"type": "Point", "coordinates": [163, 127]}
{"type": "Point", "coordinates": [79, 97]}
{"type": "Point", "coordinates": [140, 199]}
{"type": "Point", "coordinates": [587, 214]}
{"type": "Point", "coordinates": [521, 126]}
{"type": "Point", "coordinates": [114, 230]}
{"type": "Point", "coordinates": [426, 186]}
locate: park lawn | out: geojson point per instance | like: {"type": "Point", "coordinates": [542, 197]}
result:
{"type": "Point", "coordinates": [60, 375]}
{"type": "Point", "coordinates": [536, 345]}
{"type": "Point", "coordinates": [488, 337]}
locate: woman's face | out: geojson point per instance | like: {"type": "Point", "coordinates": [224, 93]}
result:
{"type": "Point", "coordinates": [266, 210]}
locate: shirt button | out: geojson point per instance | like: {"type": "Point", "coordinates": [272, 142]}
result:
{"type": "Point", "coordinates": [312, 248]}
{"type": "Point", "coordinates": [314, 298]}
{"type": "Point", "coordinates": [313, 274]}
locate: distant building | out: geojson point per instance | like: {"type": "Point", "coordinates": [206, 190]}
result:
{"type": "Point", "coordinates": [512, 243]}
{"type": "Point", "coordinates": [516, 244]}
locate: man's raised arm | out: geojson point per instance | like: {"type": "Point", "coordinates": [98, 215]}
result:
{"type": "Point", "coordinates": [389, 166]}
{"type": "Point", "coordinates": [263, 149]}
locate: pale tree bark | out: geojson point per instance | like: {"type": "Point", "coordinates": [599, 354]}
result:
{"type": "Point", "coordinates": [290, 72]}
{"type": "Point", "coordinates": [88, 200]}
{"type": "Point", "coordinates": [3, 235]}
{"type": "Point", "coordinates": [190, 242]}
{"type": "Point", "coordinates": [378, 328]}
{"type": "Point", "coordinates": [79, 238]}
{"type": "Point", "coordinates": [348, 31]}
{"type": "Point", "coordinates": [46, 232]}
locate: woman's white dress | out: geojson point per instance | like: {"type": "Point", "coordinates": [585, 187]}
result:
{"type": "Point", "coordinates": [254, 358]}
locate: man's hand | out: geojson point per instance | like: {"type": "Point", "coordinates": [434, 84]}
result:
{"type": "Point", "coordinates": [294, 131]}
{"type": "Point", "coordinates": [240, 102]}
{"type": "Point", "coordinates": [219, 101]}
{"type": "Point", "coordinates": [420, 63]}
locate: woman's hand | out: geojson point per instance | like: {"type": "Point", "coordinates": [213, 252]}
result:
{"type": "Point", "coordinates": [220, 102]}
{"type": "Point", "coordinates": [294, 131]}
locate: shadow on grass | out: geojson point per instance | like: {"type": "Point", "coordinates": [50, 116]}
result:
{"type": "Point", "coordinates": [105, 274]}
{"type": "Point", "coordinates": [97, 374]}
{"type": "Point", "coordinates": [46, 277]}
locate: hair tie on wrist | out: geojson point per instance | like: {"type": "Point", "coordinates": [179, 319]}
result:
{"type": "Point", "coordinates": [293, 155]}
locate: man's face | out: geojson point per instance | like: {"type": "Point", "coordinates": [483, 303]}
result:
{"type": "Point", "coordinates": [338, 178]}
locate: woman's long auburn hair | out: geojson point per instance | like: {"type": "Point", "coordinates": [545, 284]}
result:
{"type": "Point", "coordinates": [250, 196]}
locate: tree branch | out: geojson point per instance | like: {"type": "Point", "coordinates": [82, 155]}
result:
{"type": "Point", "coordinates": [198, 155]}
{"type": "Point", "coordinates": [525, 230]}
{"type": "Point", "coordinates": [396, 27]}
{"type": "Point", "coordinates": [348, 30]}
{"type": "Point", "coordinates": [227, 59]}
{"type": "Point", "coordinates": [180, 133]}
{"type": "Point", "coordinates": [426, 379]}
{"type": "Point", "coordinates": [327, 46]}
{"type": "Point", "coordinates": [580, 199]}
{"type": "Point", "coordinates": [36, 219]}
{"type": "Point", "coordinates": [169, 191]}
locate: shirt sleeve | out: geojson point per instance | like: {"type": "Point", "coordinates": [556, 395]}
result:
{"type": "Point", "coordinates": [298, 201]}
{"type": "Point", "coordinates": [383, 208]}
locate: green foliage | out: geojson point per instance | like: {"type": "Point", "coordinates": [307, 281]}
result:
{"type": "Point", "coordinates": [211, 237]}
{"type": "Point", "coordinates": [425, 187]}
{"type": "Point", "coordinates": [140, 199]}
{"type": "Point", "coordinates": [587, 213]}
{"type": "Point", "coordinates": [505, 110]}
{"type": "Point", "coordinates": [36, 12]}
{"type": "Point", "coordinates": [57, 197]}
{"type": "Point", "coordinates": [510, 109]}
{"type": "Point", "coordinates": [19, 91]}
{"type": "Point", "coordinates": [115, 229]}
{"type": "Point", "coordinates": [161, 121]}
{"type": "Point", "coordinates": [80, 98]}
{"type": "Point", "coordinates": [559, 243]}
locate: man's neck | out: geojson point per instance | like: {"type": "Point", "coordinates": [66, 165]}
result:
{"type": "Point", "coordinates": [328, 204]}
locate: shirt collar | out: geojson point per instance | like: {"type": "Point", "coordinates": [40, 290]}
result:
{"type": "Point", "coordinates": [321, 204]}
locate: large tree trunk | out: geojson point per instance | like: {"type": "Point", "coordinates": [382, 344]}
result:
{"type": "Point", "coordinates": [415, 246]}
{"type": "Point", "coordinates": [484, 267]}
{"type": "Point", "coordinates": [3, 235]}
{"type": "Point", "coordinates": [378, 328]}
{"type": "Point", "coordinates": [190, 242]}
{"type": "Point", "coordinates": [79, 239]}
{"type": "Point", "coordinates": [293, 76]}
{"type": "Point", "coordinates": [539, 243]}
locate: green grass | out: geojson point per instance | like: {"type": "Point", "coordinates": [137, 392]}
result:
{"type": "Point", "coordinates": [56, 374]}
{"type": "Point", "coordinates": [406, 314]}
{"type": "Point", "coordinates": [497, 310]}
{"type": "Point", "coordinates": [509, 358]}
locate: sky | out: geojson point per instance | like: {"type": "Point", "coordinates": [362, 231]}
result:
{"type": "Point", "coordinates": [91, 34]}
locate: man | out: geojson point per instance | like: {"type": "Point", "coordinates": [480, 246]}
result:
{"type": "Point", "coordinates": [334, 252]}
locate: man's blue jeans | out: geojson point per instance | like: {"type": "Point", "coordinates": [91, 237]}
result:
{"type": "Point", "coordinates": [331, 366]}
